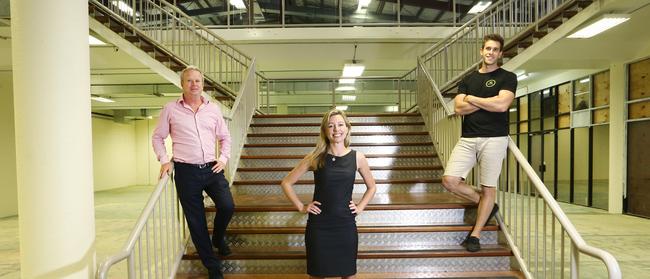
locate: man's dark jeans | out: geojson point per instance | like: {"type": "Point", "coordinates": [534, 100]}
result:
{"type": "Point", "coordinates": [191, 181]}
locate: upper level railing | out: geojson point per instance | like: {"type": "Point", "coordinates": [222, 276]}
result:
{"type": "Point", "coordinates": [543, 240]}
{"type": "Point", "coordinates": [182, 37]}
{"type": "Point", "coordinates": [451, 58]}
{"type": "Point", "coordinates": [330, 13]}
{"type": "Point", "coordinates": [318, 95]}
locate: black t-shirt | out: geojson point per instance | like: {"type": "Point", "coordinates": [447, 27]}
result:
{"type": "Point", "coordinates": [483, 123]}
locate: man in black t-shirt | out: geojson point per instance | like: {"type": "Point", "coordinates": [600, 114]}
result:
{"type": "Point", "coordinates": [484, 99]}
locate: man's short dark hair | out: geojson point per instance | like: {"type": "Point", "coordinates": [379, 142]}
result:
{"type": "Point", "coordinates": [493, 37]}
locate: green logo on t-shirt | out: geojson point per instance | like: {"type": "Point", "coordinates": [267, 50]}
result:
{"type": "Point", "coordinates": [490, 83]}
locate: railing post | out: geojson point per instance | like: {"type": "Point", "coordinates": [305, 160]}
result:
{"type": "Point", "coordinates": [399, 95]}
{"type": "Point", "coordinates": [131, 264]}
{"type": "Point", "coordinates": [575, 260]}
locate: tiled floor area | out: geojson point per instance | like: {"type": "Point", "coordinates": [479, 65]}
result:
{"type": "Point", "coordinates": [116, 210]}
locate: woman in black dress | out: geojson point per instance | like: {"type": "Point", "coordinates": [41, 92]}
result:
{"type": "Point", "coordinates": [331, 235]}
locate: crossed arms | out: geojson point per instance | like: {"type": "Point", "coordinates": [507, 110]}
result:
{"type": "Point", "coordinates": [465, 104]}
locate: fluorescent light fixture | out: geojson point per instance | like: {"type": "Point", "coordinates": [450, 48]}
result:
{"type": "Point", "coordinates": [522, 77]}
{"type": "Point", "coordinates": [347, 80]}
{"type": "Point", "coordinates": [345, 88]}
{"type": "Point", "coordinates": [123, 6]}
{"type": "Point", "coordinates": [599, 26]}
{"type": "Point", "coordinates": [512, 110]}
{"type": "Point", "coordinates": [349, 98]}
{"type": "Point", "coordinates": [546, 92]}
{"type": "Point", "coordinates": [584, 80]}
{"type": "Point", "coordinates": [101, 99]}
{"type": "Point", "coordinates": [94, 41]}
{"type": "Point", "coordinates": [364, 3]}
{"type": "Point", "coordinates": [353, 70]}
{"type": "Point", "coordinates": [479, 7]}
{"type": "Point", "coordinates": [239, 4]}
{"type": "Point", "coordinates": [342, 107]}
{"type": "Point", "coordinates": [391, 108]}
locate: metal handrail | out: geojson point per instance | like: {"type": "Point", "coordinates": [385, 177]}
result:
{"type": "Point", "coordinates": [516, 199]}
{"type": "Point", "coordinates": [580, 244]}
{"type": "Point", "coordinates": [167, 245]}
{"type": "Point", "coordinates": [180, 36]}
{"type": "Point", "coordinates": [451, 58]}
{"type": "Point", "coordinates": [240, 118]}
{"type": "Point", "coordinates": [403, 87]}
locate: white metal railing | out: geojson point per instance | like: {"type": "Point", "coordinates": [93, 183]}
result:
{"type": "Point", "coordinates": [451, 58]}
{"type": "Point", "coordinates": [180, 36]}
{"type": "Point", "coordinates": [544, 241]}
{"type": "Point", "coordinates": [157, 243]}
{"type": "Point", "coordinates": [240, 118]}
{"type": "Point", "coordinates": [398, 92]}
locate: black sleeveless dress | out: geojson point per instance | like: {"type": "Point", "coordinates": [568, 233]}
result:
{"type": "Point", "coordinates": [331, 237]}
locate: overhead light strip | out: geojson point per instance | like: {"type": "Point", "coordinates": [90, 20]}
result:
{"type": "Point", "coordinates": [601, 25]}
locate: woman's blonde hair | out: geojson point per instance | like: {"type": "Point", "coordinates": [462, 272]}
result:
{"type": "Point", "coordinates": [317, 156]}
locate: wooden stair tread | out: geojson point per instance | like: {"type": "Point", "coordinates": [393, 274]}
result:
{"type": "Point", "coordinates": [362, 229]}
{"type": "Point", "coordinates": [351, 144]}
{"type": "Point", "coordinates": [288, 169]}
{"type": "Point", "coordinates": [358, 181]}
{"type": "Point", "coordinates": [320, 115]}
{"type": "Point", "coordinates": [353, 124]}
{"type": "Point", "coordinates": [420, 133]}
{"type": "Point", "coordinates": [373, 275]}
{"type": "Point", "coordinates": [386, 201]}
{"type": "Point", "coordinates": [284, 252]}
{"type": "Point", "coordinates": [396, 155]}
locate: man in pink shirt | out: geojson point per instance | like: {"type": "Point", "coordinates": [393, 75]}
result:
{"type": "Point", "coordinates": [195, 124]}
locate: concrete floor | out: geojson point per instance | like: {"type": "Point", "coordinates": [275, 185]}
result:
{"type": "Point", "coordinates": [116, 211]}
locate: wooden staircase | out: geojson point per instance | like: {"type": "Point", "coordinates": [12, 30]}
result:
{"type": "Point", "coordinates": [155, 50]}
{"type": "Point", "coordinates": [411, 229]}
{"type": "Point", "coordinates": [535, 32]}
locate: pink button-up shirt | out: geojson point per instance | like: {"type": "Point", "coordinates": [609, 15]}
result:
{"type": "Point", "coordinates": [194, 135]}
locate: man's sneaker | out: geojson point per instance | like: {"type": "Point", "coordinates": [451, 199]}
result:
{"type": "Point", "coordinates": [472, 244]}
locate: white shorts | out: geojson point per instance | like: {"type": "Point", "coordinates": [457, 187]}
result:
{"type": "Point", "coordinates": [489, 152]}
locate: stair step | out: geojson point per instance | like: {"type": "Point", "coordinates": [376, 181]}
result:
{"type": "Point", "coordinates": [362, 229]}
{"type": "Point", "coordinates": [273, 135]}
{"type": "Point", "coordinates": [353, 124]}
{"type": "Point", "coordinates": [372, 275]}
{"type": "Point", "coordinates": [374, 161]}
{"type": "Point", "coordinates": [299, 253]}
{"type": "Point", "coordinates": [353, 118]}
{"type": "Point", "coordinates": [295, 139]}
{"type": "Point", "coordinates": [318, 115]}
{"type": "Point", "coordinates": [379, 174]}
{"type": "Point", "coordinates": [132, 38]}
{"type": "Point", "coordinates": [287, 169]}
{"type": "Point", "coordinates": [401, 155]}
{"type": "Point", "coordinates": [263, 190]}
{"type": "Point", "coordinates": [389, 201]}
{"type": "Point", "coordinates": [311, 182]}
{"type": "Point", "coordinates": [368, 150]}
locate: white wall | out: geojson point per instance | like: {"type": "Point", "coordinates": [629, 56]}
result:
{"type": "Point", "coordinates": [114, 154]}
{"type": "Point", "coordinates": [148, 166]}
{"type": "Point", "coordinates": [8, 184]}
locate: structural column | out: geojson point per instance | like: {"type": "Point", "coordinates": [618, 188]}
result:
{"type": "Point", "coordinates": [617, 136]}
{"type": "Point", "coordinates": [51, 77]}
